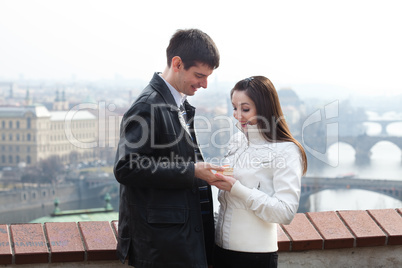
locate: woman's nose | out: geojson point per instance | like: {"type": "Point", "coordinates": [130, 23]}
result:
{"type": "Point", "coordinates": [237, 114]}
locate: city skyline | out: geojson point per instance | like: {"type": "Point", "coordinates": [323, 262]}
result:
{"type": "Point", "coordinates": [350, 47]}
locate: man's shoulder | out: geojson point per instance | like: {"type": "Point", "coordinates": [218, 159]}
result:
{"type": "Point", "coordinates": [149, 99]}
{"type": "Point", "coordinates": [153, 95]}
{"type": "Point", "coordinates": [150, 95]}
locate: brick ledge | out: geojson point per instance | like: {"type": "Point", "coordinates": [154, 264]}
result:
{"type": "Point", "coordinates": [96, 241]}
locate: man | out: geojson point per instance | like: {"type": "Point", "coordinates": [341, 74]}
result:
{"type": "Point", "coordinates": [166, 212]}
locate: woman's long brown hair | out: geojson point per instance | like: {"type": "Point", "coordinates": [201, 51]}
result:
{"type": "Point", "coordinates": [270, 119]}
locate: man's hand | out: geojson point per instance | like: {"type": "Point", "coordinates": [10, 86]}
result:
{"type": "Point", "coordinates": [224, 182]}
{"type": "Point", "coordinates": [203, 171]}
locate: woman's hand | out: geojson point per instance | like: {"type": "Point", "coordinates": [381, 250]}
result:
{"type": "Point", "coordinates": [203, 170]}
{"type": "Point", "coordinates": [224, 182]}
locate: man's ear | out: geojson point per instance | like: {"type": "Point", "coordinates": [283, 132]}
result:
{"type": "Point", "coordinates": [177, 64]}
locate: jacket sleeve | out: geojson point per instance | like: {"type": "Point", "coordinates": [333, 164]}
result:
{"type": "Point", "coordinates": [283, 205]}
{"type": "Point", "coordinates": [138, 163]}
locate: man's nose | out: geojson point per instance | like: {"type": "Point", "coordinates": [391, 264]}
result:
{"type": "Point", "coordinates": [204, 83]}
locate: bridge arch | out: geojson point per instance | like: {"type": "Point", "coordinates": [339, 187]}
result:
{"type": "Point", "coordinates": [345, 149]}
{"type": "Point", "coordinates": [373, 128]}
{"type": "Point", "coordinates": [389, 149]}
{"type": "Point", "coordinates": [362, 144]}
{"type": "Point", "coordinates": [395, 129]}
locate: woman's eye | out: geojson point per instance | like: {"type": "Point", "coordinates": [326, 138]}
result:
{"type": "Point", "coordinates": [246, 110]}
{"type": "Point", "coordinates": [234, 109]}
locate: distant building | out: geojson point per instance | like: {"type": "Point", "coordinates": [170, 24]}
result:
{"type": "Point", "coordinates": [60, 103]}
{"type": "Point", "coordinates": [293, 109]}
{"type": "Point", "coordinates": [29, 134]}
{"type": "Point", "coordinates": [288, 97]}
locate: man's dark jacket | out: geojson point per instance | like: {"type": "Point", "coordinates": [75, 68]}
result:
{"type": "Point", "coordinates": [160, 219]}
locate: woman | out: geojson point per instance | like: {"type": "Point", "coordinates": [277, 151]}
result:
{"type": "Point", "coordinates": [267, 167]}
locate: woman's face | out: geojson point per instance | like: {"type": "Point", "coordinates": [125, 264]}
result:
{"type": "Point", "coordinates": [244, 109]}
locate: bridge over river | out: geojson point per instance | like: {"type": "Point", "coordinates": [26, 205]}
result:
{"type": "Point", "coordinates": [362, 144]}
{"type": "Point", "coordinates": [312, 185]}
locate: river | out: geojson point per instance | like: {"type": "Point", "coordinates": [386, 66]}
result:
{"type": "Point", "coordinates": [386, 163]}
{"type": "Point", "coordinates": [27, 215]}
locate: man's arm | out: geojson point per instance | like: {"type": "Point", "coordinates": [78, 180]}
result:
{"type": "Point", "coordinates": [138, 163]}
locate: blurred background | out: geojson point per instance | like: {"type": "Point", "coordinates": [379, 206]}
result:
{"type": "Point", "coordinates": [70, 69]}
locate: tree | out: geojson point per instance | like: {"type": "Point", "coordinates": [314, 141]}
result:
{"type": "Point", "coordinates": [46, 171]}
{"type": "Point", "coordinates": [31, 175]}
{"type": "Point", "coordinates": [50, 168]}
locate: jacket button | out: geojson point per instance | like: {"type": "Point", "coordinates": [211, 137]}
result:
{"type": "Point", "coordinates": [197, 228]}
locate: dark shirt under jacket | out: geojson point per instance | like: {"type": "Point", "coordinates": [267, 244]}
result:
{"type": "Point", "coordinates": [160, 218]}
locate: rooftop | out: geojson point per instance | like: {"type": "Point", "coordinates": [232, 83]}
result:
{"type": "Point", "coordinates": [71, 115]}
{"type": "Point", "coordinates": [37, 110]}
{"type": "Point", "coordinates": [106, 213]}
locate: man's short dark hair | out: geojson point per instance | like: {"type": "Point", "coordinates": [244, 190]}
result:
{"type": "Point", "coordinates": [193, 46]}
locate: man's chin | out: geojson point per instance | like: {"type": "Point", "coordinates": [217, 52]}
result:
{"type": "Point", "coordinates": [193, 90]}
{"type": "Point", "coordinates": [191, 93]}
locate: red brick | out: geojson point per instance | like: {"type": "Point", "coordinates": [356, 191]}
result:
{"type": "Point", "coordinates": [364, 228]}
{"type": "Point", "coordinates": [99, 240]}
{"type": "Point", "coordinates": [65, 242]}
{"type": "Point", "coordinates": [391, 222]}
{"type": "Point", "coordinates": [302, 234]}
{"type": "Point", "coordinates": [6, 256]}
{"type": "Point", "coordinates": [283, 240]}
{"type": "Point", "coordinates": [332, 229]}
{"type": "Point", "coordinates": [29, 243]}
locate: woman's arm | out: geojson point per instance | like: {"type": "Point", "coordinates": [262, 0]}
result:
{"type": "Point", "coordinates": [282, 206]}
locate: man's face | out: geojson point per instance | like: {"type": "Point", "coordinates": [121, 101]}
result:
{"type": "Point", "coordinates": [189, 81]}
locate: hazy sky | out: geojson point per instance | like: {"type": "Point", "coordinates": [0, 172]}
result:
{"type": "Point", "coordinates": [355, 45]}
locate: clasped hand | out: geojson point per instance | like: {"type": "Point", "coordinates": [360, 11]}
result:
{"type": "Point", "coordinates": [203, 171]}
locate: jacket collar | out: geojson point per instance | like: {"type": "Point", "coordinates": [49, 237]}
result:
{"type": "Point", "coordinates": [252, 134]}
{"type": "Point", "coordinates": [160, 86]}
{"type": "Point", "coordinates": [178, 96]}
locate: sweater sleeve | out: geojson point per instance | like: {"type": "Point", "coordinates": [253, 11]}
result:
{"type": "Point", "coordinates": [282, 206]}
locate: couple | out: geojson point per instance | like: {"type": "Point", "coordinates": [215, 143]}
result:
{"type": "Point", "coordinates": [166, 214]}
